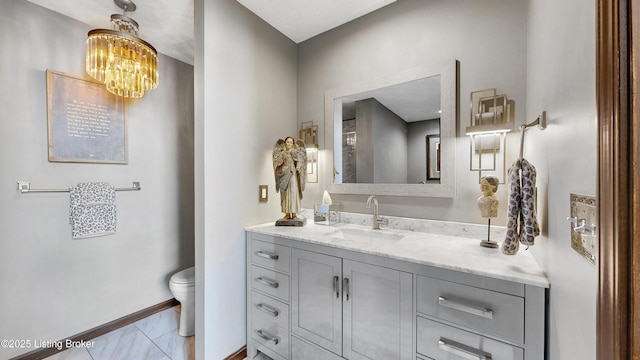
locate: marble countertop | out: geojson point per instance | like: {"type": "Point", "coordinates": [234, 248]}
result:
{"type": "Point", "coordinates": [460, 252]}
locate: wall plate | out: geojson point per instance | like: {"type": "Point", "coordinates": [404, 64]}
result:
{"type": "Point", "coordinates": [263, 193]}
{"type": "Point", "coordinates": [584, 235]}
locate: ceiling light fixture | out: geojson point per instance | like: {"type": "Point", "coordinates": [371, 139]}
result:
{"type": "Point", "coordinates": [126, 64]}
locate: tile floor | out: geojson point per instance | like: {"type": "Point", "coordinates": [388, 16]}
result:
{"type": "Point", "coordinates": [152, 338]}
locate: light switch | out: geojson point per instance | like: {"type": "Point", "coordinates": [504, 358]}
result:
{"type": "Point", "coordinates": [584, 235]}
{"type": "Point", "coordinates": [264, 193]}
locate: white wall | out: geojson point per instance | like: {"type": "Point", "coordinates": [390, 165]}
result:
{"type": "Point", "coordinates": [413, 33]}
{"type": "Point", "coordinates": [245, 100]}
{"type": "Point", "coordinates": [561, 80]}
{"type": "Point", "coordinates": [52, 286]}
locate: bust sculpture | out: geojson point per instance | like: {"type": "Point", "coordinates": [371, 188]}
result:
{"type": "Point", "coordinates": [488, 202]}
{"type": "Point", "coordinates": [488, 205]}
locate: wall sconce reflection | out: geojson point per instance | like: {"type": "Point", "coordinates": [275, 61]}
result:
{"type": "Point", "coordinates": [350, 139]}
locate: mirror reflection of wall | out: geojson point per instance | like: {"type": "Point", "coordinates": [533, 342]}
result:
{"type": "Point", "coordinates": [349, 143]}
{"type": "Point", "coordinates": [392, 155]}
{"type": "Point", "coordinates": [421, 142]}
{"type": "Point", "coordinates": [384, 134]}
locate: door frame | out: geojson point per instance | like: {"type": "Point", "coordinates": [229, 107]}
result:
{"type": "Point", "coordinates": [618, 103]}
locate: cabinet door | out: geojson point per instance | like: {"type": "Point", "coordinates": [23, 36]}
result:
{"type": "Point", "coordinates": [378, 310]}
{"type": "Point", "coordinates": [316, 305]}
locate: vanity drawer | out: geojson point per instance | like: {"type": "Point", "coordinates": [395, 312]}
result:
{"type": "Point", "coordinates": [440, 341]}
{"type": "Point", "coordinates": [271, 255]}
{"type": "Point", "coordinates": [270, 282]}
{"type": "Point", "coordinates": [483, 310]}
{"type": "Point", "coordinates": [269, 335]}
{"type": "Point", "coordinates": [266, 309]}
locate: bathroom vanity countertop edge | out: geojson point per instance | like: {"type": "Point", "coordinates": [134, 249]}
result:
{"type": "Point", "coordinates": [443, 251]}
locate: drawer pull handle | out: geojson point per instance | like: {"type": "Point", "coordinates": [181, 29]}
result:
{"type": "Point", "coordinates": [267, 309]}
{"type": "Point", "coordinates": [485, 313]}
{"type": "Point", "coordinates": [345, 288]}
{"type": "Point", "coordinates": [336, 286]}
{"type": "Point", "coordinates": [267, 255]}
{"type": "Point", "coordinates": [463, 351]}
{"type": "Point", "coordinates": [266, 336]}
{"type": "Point", "coordinates": [271, 283]}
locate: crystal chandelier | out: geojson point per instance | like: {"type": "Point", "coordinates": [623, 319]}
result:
{"type": "Point", "coordinates": [126, 64]}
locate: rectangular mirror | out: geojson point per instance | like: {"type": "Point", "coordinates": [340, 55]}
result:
{"type": "Point", "coordinates": [394, 135]}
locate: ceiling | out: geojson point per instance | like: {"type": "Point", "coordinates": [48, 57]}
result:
{"type": "Point", "coordinates": [411, 101]}
{"type": "Point", "coordinates": [165, 24]}
{"type": "Point", "coordinates": [300, 20]}
{"type": "Point", "coordinates": [168, 25]}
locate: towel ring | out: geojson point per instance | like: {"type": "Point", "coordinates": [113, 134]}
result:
{"type": "Point", "coordinates": [541, 121]}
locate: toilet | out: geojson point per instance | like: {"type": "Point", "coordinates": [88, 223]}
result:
{"type": "Point", "coordinates": [182, 285]}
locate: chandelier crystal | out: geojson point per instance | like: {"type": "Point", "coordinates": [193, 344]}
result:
{"type": "Point", "coordinates": [126, 64]}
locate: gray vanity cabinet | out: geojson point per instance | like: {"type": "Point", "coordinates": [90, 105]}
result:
{"type": "Point", "coordinates": [353, 309]}
{"type": "Point", "coordinates": [316, 312]}
{"type": "Point", "coordinates": [310, 301]}
{"type": "Point", "coordinates": [268, 298]}
{"type": "Point", "coordinates": [377, 312]}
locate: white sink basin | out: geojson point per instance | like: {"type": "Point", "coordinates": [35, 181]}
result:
{"type": "Point", "coordinates": [366, 235]}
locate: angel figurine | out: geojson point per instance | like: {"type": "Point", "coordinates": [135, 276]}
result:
{"type": "Point", "coordinates": [290, 170]}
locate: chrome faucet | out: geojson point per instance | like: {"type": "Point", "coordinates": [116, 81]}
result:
{"type": "Point", "coordinates": [377, 220]}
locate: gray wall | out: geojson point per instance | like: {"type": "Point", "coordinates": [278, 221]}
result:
{"type": "Point", "coordinates": [364, 143]}
{"type": "Point", "coordinates": [562, 82]}
{"type": "Point", "coordinates": [540, 53]}
{"type": "Point", "coordinates": [245, 100]}
{"type": "Point", "coordinates": [52, 286]}
{"type": "Point", "coordinates": [417, 149]}
{"type": "Point", "coordinates": [246, 92]}
{"type": "Point", "coordinates": [390, 150]}
{"type": "Point", "coordinates": [380, 126]}
{"type": "Point", "coordinates": [413, 33]}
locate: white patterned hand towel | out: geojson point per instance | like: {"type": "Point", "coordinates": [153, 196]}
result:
{"type": "Point", "coordinates": [522, 225]}
{"type": "Point", "coordinates": [92, 210]}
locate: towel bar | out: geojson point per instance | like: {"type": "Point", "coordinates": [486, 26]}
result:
{"type": "Point", "coordinates": [25, 187]}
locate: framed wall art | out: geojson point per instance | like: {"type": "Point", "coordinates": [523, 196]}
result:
{"type": "Point", "coordinates": [86, 123]}
{"type": "Point", "coordinates": [433, 157]}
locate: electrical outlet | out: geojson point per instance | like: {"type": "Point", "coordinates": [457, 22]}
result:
{"type": "Point", "coordinates": [584, 236]}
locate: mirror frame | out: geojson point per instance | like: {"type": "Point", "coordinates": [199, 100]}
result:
{"type": "Point", "coordinates": [448, 121]}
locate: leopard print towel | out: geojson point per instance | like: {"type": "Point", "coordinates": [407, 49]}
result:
{"type": "Point", "coordinates": [522, 225]}
{"type": "Point", "coordinates": [92, 210]}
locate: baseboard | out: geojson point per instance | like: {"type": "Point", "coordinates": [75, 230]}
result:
{"type": "Point", "coordinates": [100, 330]}
{"type": "Point", "coordinates": [238, 355]}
